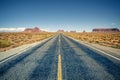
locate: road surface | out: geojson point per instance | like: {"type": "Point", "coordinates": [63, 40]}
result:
{"type": "Point", "coordinates": [60, 58]}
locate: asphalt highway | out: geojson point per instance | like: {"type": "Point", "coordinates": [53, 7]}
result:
{"type": "Point", "coordinates": [60, 58]}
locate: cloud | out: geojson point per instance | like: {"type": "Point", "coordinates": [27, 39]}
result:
{"type": "Point", "coordinates": [11, 29]}
{"type": "Point", "coordinates": [46, 29]}
{"type": "Point", "coordinates": [19, 29]}
{"type": "Point", "coordinates": [113, 24]}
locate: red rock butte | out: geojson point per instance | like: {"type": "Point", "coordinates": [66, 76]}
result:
{"type": "Point", "coordinates": [36, 29]}
{"type": "Point", "coordinates": [60, 30]}
{"type": "Point", "coordinates": [106, 30]}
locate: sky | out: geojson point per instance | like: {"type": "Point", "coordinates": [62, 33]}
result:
{"type": "Point", "coordinates": [52, 15]}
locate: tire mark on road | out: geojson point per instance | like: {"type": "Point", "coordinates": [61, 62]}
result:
{"type": "Point", "coordinates": [45, 65]}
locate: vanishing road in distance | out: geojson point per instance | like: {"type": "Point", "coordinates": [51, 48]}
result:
{"type": "Point", "coordinates": [60, 58]}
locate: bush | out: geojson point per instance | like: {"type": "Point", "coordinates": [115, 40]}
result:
{"type": "Point", "coordinates": [4, 43]}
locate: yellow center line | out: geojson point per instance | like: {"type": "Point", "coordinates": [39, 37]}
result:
{"type": "Point", "coordinates": [59, 68]}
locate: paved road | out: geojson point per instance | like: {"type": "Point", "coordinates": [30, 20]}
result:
{"type": "Point", "coordinates": [76, 62]}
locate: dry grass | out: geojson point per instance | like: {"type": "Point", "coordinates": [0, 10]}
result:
{"type": "Point", "coordinates": [11, 40]}
{"type": "Point", "coordinates": [106, 39]}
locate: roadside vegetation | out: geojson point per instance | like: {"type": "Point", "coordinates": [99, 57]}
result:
{"type": "Point", "coordinates": [102, 38]}
{"type": "Point", "coordinates": [11, 40]}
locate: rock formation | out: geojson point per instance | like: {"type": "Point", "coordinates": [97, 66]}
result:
{"type": "Point", "coordinates": [36, 29]}
{"type": "Point", "coordinates": [105, 30]}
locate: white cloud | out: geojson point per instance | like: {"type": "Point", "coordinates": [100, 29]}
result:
{"type": "Point", "coordinates": [11, 29]}
{"type": "Point", "coordinates": [19, 29]}
{"type": "Point", "coordinates": [113, 24]}
{"type": "Point", "coordinates": [47, 29]}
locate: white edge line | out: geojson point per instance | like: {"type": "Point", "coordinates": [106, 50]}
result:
{"type": "Point", "coordinates": [18, 53]}
{"type": "Point", "coordinates": [95, 49]}
{"type": "Point", "coordinates": [25, 50]}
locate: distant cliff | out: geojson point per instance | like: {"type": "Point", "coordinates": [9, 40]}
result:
{"type": "Point", "coordinates": [106, 30]}
{"type": "Point", "coordinates": [60, 30]}
{"type": "Point", "coordinates": [36, 29]}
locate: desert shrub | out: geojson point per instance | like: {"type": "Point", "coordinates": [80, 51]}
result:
{"type": "Point", "coordinates": [4, 43]}
{"type": "Point", "coordinates": [106, 39]}
{"type": "Point", "coordinates": [96, 41]}
{"type": "Point", "coordinates": [12, 40]}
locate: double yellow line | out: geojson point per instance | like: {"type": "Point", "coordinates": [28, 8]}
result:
{"type": "Point", "coordinates": [59, 68]}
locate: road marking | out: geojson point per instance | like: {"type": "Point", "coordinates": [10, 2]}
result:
{"type": "Point", "coordinates": [106, 53]}
{"type": "Point", "coordinates": [102, 52]}
{"type": "Point", "coordinates": [59, 74]}
{"type": "Point", "coordinates": [14, 55]}
{"type": "Point", "coordinates": [59, 39]}
{"type": "Point", "coordinates": [22, 51]}
{"type": "Point", "coordinates": [59, 68]}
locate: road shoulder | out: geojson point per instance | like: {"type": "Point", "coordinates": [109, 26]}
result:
{"type": "Point", "coordinates": [18, 50]}
{"type": "Point", "coordinates": [108, 50]}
